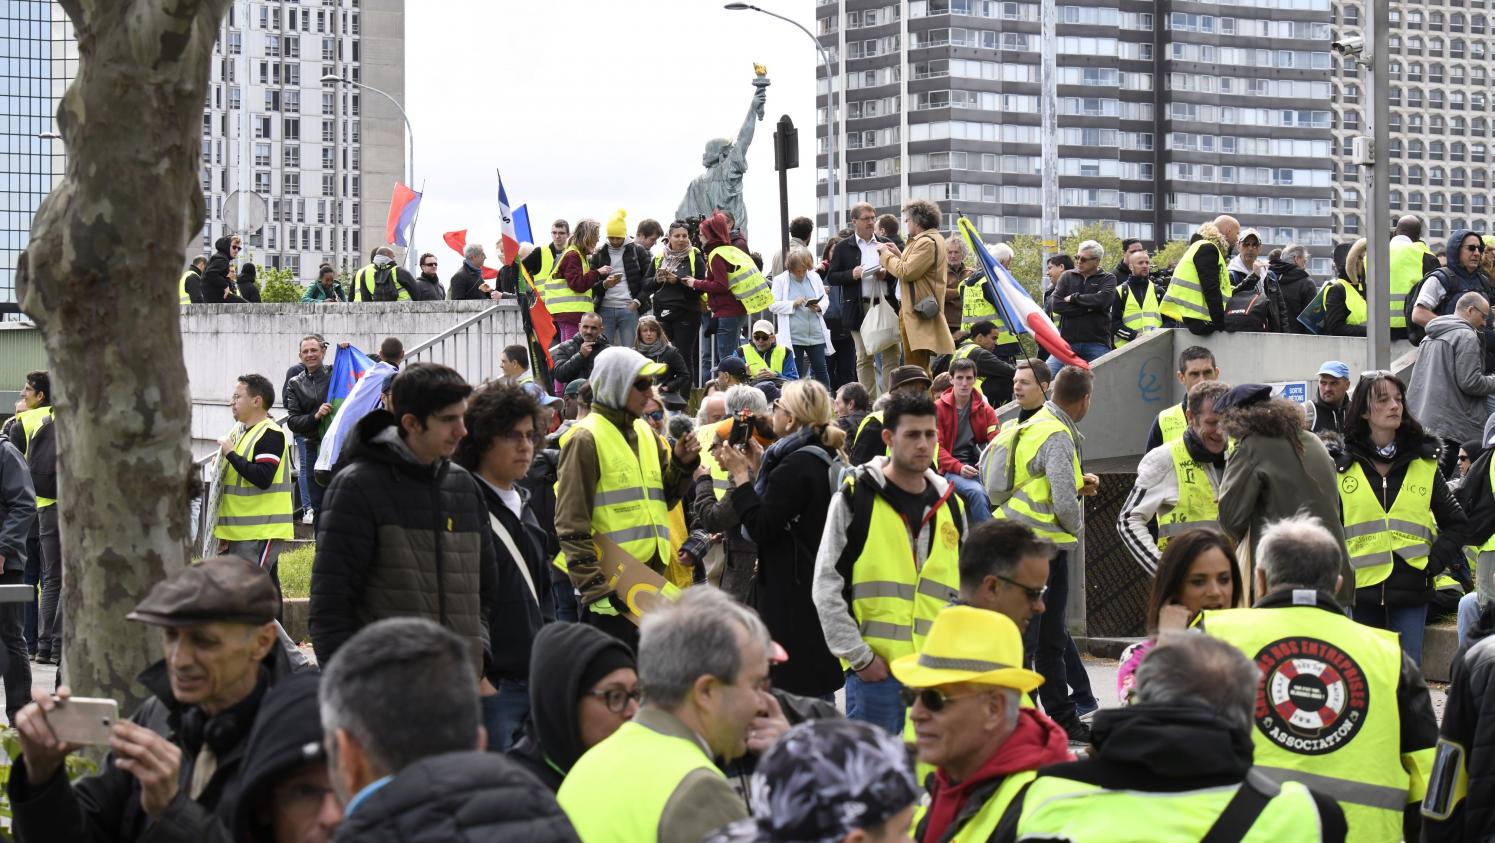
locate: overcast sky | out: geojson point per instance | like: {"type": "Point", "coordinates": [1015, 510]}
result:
{"type": "Point", "coordinates": [596, 105]}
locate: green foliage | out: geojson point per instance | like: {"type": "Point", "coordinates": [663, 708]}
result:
{"type": "Point", "coordinates": [1100, 233]}
{"type": "Point", "coordinates": [1168, 255]}
{"type": "Point", "coordinates": [77, 766]}
{"type": "Point", "coordinates": [295, 571]}
{"type": "Point", "coordinates": [1027, 262]}
{"type": "Point", "coordinates": [279, 286]}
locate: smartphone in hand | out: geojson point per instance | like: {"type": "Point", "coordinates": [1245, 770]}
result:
{"type": "Point", "coordinates": [83, 720]}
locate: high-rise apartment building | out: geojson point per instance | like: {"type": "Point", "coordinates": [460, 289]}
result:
{"type": "Point", "coordinates": [1440, 64]}
{"type": "Point", "coordinates": [1167, 114]}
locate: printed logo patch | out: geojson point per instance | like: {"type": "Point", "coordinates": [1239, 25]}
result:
{"type": "Point", "coordinates": [1313, 697]}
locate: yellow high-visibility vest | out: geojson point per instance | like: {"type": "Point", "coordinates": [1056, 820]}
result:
{"type": "Point", "coordinates": [558, 295]}
{"type": "Point", "coordinates": [756, 363]}
{"type": "Point", "coordinates": [1172, 423]}
{"type": "Point", "coordinates": [1032, 500]}
{"type": "Point", "coordinates": [1185, 296]}
{"type": "Point", "coordinates": [1406, 271]}
{"type": "Point", "coordinates": [247, 512]}
{"type": "Point", "coordinates": [745, 280]}
{"type": "Point", "coordinates": [628, 505]}
{"type": "Point", "coordinates": [30, 421]}
{"type": "Point", "coordinates": [1372, 534]}
{"type": "Point", "coordinates": [1141, 316]}
{"type": "Point", "coordinates": [974, 308]}
{"type": "Point", "coordinates": [1196, 507]}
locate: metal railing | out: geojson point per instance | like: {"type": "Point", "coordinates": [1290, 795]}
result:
{"type": "Point", "coordinates": [467, 346]}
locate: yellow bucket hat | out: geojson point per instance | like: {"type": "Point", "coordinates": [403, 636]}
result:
{"type": "Point", "coordinates": [967, 644]}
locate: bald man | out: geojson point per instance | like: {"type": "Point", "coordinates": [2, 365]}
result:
{"type": "Point", "coordinates": [1411, 261]}
{"type": "Point", "coordinates": [1201, 280]}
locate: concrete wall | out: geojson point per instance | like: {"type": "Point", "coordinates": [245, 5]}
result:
{"type": "Point", "coordinates": [221, 342]}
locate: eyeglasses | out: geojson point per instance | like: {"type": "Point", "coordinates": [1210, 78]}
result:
{"type": "Point", "coordinates": [616, 699]}
{"type": "Point", "coordinates": [1034, 594]}
{"type": "Point", "coordinates": [643, 385]}
{"type": "Point", "coordinates": [655, 415]}
{"type": "Point", "coordinates": [1474, 248]}
{"type": "Point", "coordinates": [933, 698]}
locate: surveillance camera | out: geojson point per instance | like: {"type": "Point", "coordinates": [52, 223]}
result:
{"type": "Point", "coordinates": [1351, 47]}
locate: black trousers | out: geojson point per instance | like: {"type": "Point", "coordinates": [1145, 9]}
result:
{"type": "Point", "coordinates": [683, 327]}
{"type": "Point", "coordinates": [15, 666]}
{"type": "Point", "coordinates": [1047, 638]}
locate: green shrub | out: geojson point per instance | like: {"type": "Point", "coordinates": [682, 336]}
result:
{"type": "Point", "coordinates": [77, 765]}
{"type": "Point", "coordinates": [279, 286]}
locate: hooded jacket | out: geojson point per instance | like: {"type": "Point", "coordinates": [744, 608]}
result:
{"type": "Point", "coordinates": [17, 506]}
{"type": "Point", "coordinates": [1468, 727]}
{"type": "Point", "coordinates": [287, 734]}
{"type": "Point", "coordinates": [458, 797]}
{"type": "Point", "coordinates": [402, 538]}
{"type": "Point", "coordinates": [1297, 289]}
{"type": "Point", "coordinates": [518, 614]}
{"type": "Point", "coordinates": [1448, 387]}
{"type": "Point", "coordinates": [1165, 749]}
{"type": "Point", "coordinates": [715, 285]}
{"type": "Point", "coordinates": [551, 740]}
{"type": "Point", "coordinates": [249, 290]}
{"type": "Point", "coordinates": [215, 285]}
{"type": "Point", "coordinates": [1455, 281]}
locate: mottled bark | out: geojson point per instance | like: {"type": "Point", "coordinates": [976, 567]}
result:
{"type": "Point", "coordinates": [99, 278]}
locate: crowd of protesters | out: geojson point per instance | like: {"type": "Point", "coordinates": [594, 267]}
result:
{"type": "Point", "coordinates": [732, 568]}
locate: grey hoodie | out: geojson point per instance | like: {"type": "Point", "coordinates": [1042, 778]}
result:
{"type": "Point", "coordinates": [613, 374]}
{"type": "Point", "coordinates": [1448, 382]}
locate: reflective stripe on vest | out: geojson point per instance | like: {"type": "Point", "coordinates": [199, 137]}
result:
{"type": "Point", "coordinates": [605, 807]}
{"type": "Point", "coordinates": [247, 512]}
{"type": "Point", "coordinates": [1196, 507]}
{"type": "Point", "coordinates": [1353, 301]}
{"type": "Point", "coordinates": [1140, 316]}
{"type": "Point", "coordinates": [181, 288]}
{"type": "Point", "coordinates": [558, 295]}
{"type": "Point", "coordinates": [893, 600]}
{"type": "Point", "coordinates": [1344, 737]}
{"type": "Point", "coordinates": [983, 824]}
{"type": "Point", "coordinates": [721, 482]}
{"type": "Point", "coordinates": [745, 280]}
{"type": "Point", "coordinates": [1032, 499]}
{"type": "Point", "coordinates": [756, 363]}
{"type": "Point", "coordinates": [628, 505]}
{"type": "Point", "coordinates": [1172, 423]}
{"type": "Point", "coordinates": [1057, 808]}
{"type": "Point", "coordinates": [1185, 296]}
{"type": "Point", "coordinates": [1373, 534]}
{"type": "Point", "coordinates": [30, 421]}
{"type": "Point", "coordinates": [1406, 271]}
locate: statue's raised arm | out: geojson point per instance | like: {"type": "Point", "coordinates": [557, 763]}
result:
{"type": "Point", "coordinates": [725, 162]}
{"type": "Point", "coordinates": [745, 134]}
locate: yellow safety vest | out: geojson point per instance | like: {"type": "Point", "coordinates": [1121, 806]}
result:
{"type": "Point", "coordinates": [30, 421]}
{"type": "Point", "coordinates": [247, 512]}
{"type": "Point", "coordinates": [1327, 713]}
{"type": "Point", "coordinates": [364, 282]}
{"type": "Point", "coordinates": [756, 363]}
{"type": "Point", "coordinates": [1185, 296]}
{"type": "Point", "coordinates": [974, 308]}
{"type": "Point", "coordinates": [1372, 534]}
{"type": "Point", "coordinates": [1056, 808]}
{"type": "Point", "coordinates": [1352, 300]}
{"type": "Point", "coordinates": [893, 600]}
{"type": "Point", "coordinates": [558, 296]}
{"type": "Point", "coordinates": [547, 269]}
{"type": "Point", "coordinates": [721, 482]}
{"type": "Point", "coordinates": [1141, 316]}
{"type": "Point", "coordinates": [1196, 507]}
{"type": "Point", "coordinates": [983, 824]}
{"type": "Point", "coordinates": [628, 504]}
{"type": "Point", "coordinates": [181, 288]}
{"type": "Point", "coordinates": [1032, 500]}
{"type": "Point", "coordinates": [1172, 423]}
{"type": "Point", "coordinates": [745, 280]}
{"type": "Point", "coordinates": [608, 806]}
{"type": "Point", "coordinates": [1406, 271]}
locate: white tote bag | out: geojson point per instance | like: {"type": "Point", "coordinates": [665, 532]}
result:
{"type": "Point", "coordinates": [880, 327]}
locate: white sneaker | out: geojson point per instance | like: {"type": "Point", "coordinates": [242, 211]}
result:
{"type": "Point", "coordinates": [306, 517]}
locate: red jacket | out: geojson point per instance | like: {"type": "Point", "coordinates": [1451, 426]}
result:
{"type": "Point", "coordinates": [946, 419]}
{"type": "Point", "coordinates": [1036, 742]}
{"type": "Point", "coordinates": [718, 292]}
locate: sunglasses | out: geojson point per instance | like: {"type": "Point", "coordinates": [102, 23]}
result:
{"type": "Point", "coordinates": [933, 698]}
{"type": "Point", "coordinates": [654, 416]}
{"type": "Point", "coordinates": [643, 385]}
{"type": "Point", "coordinates": [761, 336]}
{"type": "Point", "coordinates": [431, 263]}
{"type": "Point", "coordinates": [1034, 594]}
{"type": "Point", "coordinates": [1472, 248]}
{"type": "Point", "coordinates": [616, 699]}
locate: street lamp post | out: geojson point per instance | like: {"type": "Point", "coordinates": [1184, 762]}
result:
{"type": "Point", "coordinates": [410, 132]}
{"type": "Point", "coordinates": [830, 77]}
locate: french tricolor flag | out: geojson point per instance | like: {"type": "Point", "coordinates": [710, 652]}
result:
{"type": "Point", "coordinates": [402, 210]}
{"type": "Point", "coordinates": [1017, 308]}
{"type": "Point", "coordinates": [510, 236]}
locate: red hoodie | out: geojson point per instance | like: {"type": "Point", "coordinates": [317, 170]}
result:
{"type": "Point", "coordinates": [947, 418]}
{"type": "Point", "coordinates": [1036, 742]}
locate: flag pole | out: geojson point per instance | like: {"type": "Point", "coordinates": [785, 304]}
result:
{"type": "Point", "coordinates": [410, 252]}
{"type": "Point", "coordinates": [989, 287]}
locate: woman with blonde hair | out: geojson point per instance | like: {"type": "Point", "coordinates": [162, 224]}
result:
{"type": "Point", "coordinates": [784, 511]}
{"type": "Point", "coordinates": [582, 282]}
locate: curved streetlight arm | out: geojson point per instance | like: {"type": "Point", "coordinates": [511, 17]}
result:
{"type": "Point", "coordinates": [410, 177]}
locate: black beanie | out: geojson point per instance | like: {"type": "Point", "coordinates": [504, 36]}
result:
{"type": "Point", "coordinates": [605, 661]}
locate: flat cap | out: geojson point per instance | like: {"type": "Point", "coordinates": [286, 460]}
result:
{"type": "Point", "coordinates": [221, 589]}
{"type": "Point", "coordinates": [1243, 396]}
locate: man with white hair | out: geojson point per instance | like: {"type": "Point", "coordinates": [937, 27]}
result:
{"type": "Point", "coordinates": [467, 283]}
{"type": "Point", "coordinates": [1082, 299]}
{"type": "Point", "coordinates": [978, 302]}
{"type": "Point", "coordinates": [1339, 708]}
{"type": "Point", "coordinates": [732, 570]}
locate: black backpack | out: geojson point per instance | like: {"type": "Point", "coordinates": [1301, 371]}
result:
{"type": "Point", "coordinates": [1415, 332]}
{"type": "Point", "coordinates": [1248, 310]}
{"type": "Point", "coordinates": [386, 285]}
{"type": "Point", "coordinates": [41, 458]}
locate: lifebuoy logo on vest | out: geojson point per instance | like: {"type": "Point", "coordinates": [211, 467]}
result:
{"type": "Point", "coordinates": [1313, 696]}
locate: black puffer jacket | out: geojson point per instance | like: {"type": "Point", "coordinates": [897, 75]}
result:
{"type": "Point", "coordinates": [570, 363]}
{"type": "Point", "coordinates": [459, 797]}
{"type": "Point", "coordinates": [1467, 741]}
{"type": "Point", "coordinates": [401, 538]}
{"type": "Point", "coordinates": [215, 286]}
{"type": "Point", "coordinates": [1298, 289]}
{"type": "Point", "coordinates": [676, 380]}
{"type": "Point", "coordinates": [1407, 585]}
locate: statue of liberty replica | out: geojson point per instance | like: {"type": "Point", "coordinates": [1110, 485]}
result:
{"type": "Point", "coordinates": [725, 162]}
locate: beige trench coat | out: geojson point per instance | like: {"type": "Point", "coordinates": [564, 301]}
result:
{"type": "Point", "coordinates": [922, 273]}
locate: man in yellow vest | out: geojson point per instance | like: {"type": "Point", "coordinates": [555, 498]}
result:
{"type": "Point", "coordinates": [255, 514]}
{"type": "Point", "coordinates": [964, 689]}
{"type": "Point", "coordinates": [703, 665]}
{"type": "Point", "coordinates": [978, 302]}
{"type": "Point", "coordinates": [1177, 482]}
{"type": "Point", "coordinates": [764, 357]}
{"type": "Point", "coordinates": [1175, 765]}
{"type": "Point", "coordinates": [1032, 476]}
{"type": "Point", "coordinates": [381, 279]}
{"type": "Point", "coordinates": [891, 544]}
{"type": "Point", "coordinates": [537, 264]}
{"type": "Point", "coordinates": [33, 412]}
{"type": "Point", "coordinates": [189, 286]}
{"type": "Point", "coordinates": [618, 479]}
{"type": "Point", "coordinates": [1411, 261]}
{"type": "Point", "coordinates": [994, 371]}
{"type": "Point", "coordinates": [1135, 311]}
{"type": "Point", "coordinates": [866, 440]}
{"type": "Point", "coordinates": [1195, 363]}
{"type": "Point", "coordinates": [1200, 287]}
{"type": "Point", "coordinates": [1339, 707]}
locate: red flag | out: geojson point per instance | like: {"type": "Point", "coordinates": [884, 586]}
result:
{"type": "Point", "coordinates": [458, 241]}
{"type": "Point", "coordinates": [539, 316]}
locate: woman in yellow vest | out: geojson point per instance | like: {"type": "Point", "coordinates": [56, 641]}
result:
{"type": "Point", "coordinates": [1402, 525]}
{"type": "Point", "coordinates": [1198, 571]}
{"type": "Point", "coordinates": [569, 294]}
{"type": "Point", "coordinates": [1344, 301]}
{"type": "Point", "coordinates": [728, 284]}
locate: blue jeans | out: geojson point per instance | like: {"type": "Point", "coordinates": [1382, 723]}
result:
{"type": "Point", "coordinates": [810, 360]}
{"type": "Point", "coordinates": [1468, 616]}
{"type": "Point", "coordinates": [619, 325]}
{"type": "Point", "coordinates": [504, 713]}
{"type": "Point", "coordinates": [565, 601]}
{"type": "Point", "coordinates": [307, 451]}
{"type": "Point", "coordinates": [728, 336]}
{"type": "Point", "coordinates": [1410, 622]}
{"type": "Point", "coordinates": [972, 493]}
{"type": "Point", "coordinates": [1087, 351]}
{"type": "Point", "coordinates": [878, 703]}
